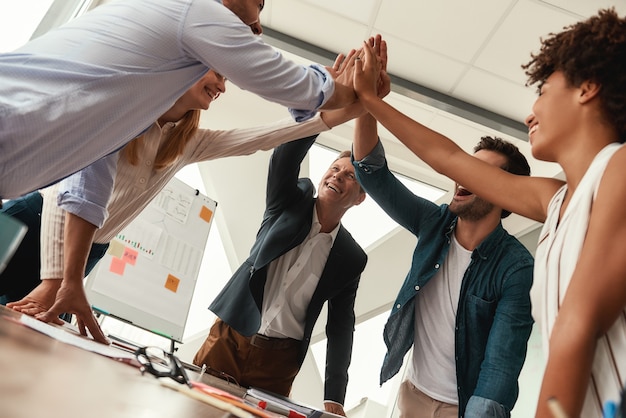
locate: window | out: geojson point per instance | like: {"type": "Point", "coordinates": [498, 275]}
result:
{"type": "Point", "coordinates": [358, 220]}
{"type": "Point", "coordinates": [18, 20]}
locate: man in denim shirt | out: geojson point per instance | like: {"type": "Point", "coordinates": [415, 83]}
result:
{"type": "Point", "coordinates": [471, 324]}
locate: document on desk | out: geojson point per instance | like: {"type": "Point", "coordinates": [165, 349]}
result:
{"type": "Point", "coordinates": [286, 406]}
{"type": "Point", "coordinates": [68, 337]}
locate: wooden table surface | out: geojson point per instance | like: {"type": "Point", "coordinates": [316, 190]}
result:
{"type": "Point", "coordinates": [42, 377]}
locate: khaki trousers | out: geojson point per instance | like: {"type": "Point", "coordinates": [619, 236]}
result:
{"type": "Point", "coordinates": [414, 403]}
{"type": "Point", "coordinates": [257, 361]}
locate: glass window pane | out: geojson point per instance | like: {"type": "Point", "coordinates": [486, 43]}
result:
{"type": "Point", "coordinates": [18, 21]}
{"type": "Point", "coordinates": [366, 222]}
{"type": "Point", "coordinates": [367, 358]}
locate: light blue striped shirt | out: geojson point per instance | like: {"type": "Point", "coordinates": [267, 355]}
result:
{"type": "Point", "coordinates": [83, 90]}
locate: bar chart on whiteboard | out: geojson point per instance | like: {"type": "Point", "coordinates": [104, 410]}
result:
{"type": "Point", "coordinates": [148, 274]}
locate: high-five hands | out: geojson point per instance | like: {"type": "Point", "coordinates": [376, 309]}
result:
{"type": "Point", "coordinates": [343, 69]}
{"type": "Point", "coordinates": [383, 84]}
{"type": "Point", "coordinates": [369, 75]}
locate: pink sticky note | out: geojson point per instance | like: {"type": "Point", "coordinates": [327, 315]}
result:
{"type": "Point", "coordinates": [130, 256]}
{"type": "Point", "coordinates": [117, 266]}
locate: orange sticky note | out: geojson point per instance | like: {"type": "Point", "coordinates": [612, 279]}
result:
{"type": "Point", "coordinates": [117, 266]}
{"type": "Point", "coordinates": [171, 283]}
{"type": "Point", "coordinates": [130, 256]}
{"type": "Point", "coordinates": [206, 213]}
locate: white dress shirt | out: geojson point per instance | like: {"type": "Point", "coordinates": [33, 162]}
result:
{"type": "Point", "coordinates": [81, 91]}
{"type": "Point", "coordinates": [291, 282]}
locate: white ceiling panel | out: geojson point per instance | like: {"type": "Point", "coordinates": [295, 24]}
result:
{"type": "Point", "coordinates": [413, 62]}
{"type": "Point", "coordinates": [518, 36]}
{"type": "Point", "coordinates": [319, 27]}
{"type": "Point", "coordinates": [496, 94]}
{"type": "Point", "coordinates": [358, 10]}
{"type": "Point", "coordinates": [586, 8]}
{"type": "Point", "coordinates": [455, 28]}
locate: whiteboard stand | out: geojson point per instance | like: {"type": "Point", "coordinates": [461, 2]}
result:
{"type": "Point", "coordinates": [148, 275]}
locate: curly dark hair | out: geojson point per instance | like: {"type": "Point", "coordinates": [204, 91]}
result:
{"type": "Point", "coordinates": [516, 163]}
{"type": "Point", "coordinates": [590, 50]}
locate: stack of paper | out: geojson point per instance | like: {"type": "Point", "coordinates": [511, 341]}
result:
{"type": "Point", "coordinates": [285, 406]}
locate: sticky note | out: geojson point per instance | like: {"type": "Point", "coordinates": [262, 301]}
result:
{"type": "Point", "coordinates": [116, 248]}
{"type": "Point", "coordinates": [206, 213]}
{"type": "Point", "coordinates": [171, 283]}
{"type": "Point", "coordinates": [117, 266]}
{"type": "Point", "coordinates": [130, 256]}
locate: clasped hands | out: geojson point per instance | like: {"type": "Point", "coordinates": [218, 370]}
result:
{"type": "Point", "coordinates": [364, 69]}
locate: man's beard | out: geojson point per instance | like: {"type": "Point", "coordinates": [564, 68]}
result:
{"type": "Point", "coordinates": [472, 211]}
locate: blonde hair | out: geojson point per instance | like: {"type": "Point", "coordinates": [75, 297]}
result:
{"type": "Point", "coordinates": [173, 146]}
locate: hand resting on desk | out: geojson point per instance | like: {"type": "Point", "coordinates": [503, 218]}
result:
{"type": "Point", "coordinates": [55, 297]}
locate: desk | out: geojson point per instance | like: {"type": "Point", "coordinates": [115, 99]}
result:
{"type": "Point", "coordinates": [43, 377]}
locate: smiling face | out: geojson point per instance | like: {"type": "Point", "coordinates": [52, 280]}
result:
{"type": "Point", "coordinates": [249, 11]}
{"type": "Point", "coordinates": [203, 92]}
{"type": "Point", "coordinates": [554, 118]}
{"type": "Point", "coordinates": [340, 186]}
{"type": "Point", "coordinates": [464, 203]}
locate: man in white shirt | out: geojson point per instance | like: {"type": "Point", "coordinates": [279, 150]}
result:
{"type": "Point", "coordinates": [82, 91]}
{"type": "Point", "coordinates": [302, 258]}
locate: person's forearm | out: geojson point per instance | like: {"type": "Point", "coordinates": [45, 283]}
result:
{"type": "Point", "coordinates": [427, 144]}
{"type": "Point", "coordinates": [365, 136]}
{"type": "Point", "coordinates": [336, 117]}
{"type": "Point", "coordinates": [563, 381]}
{"type": "Point", "coordinates": [79, 236]}
{"type": "Point", "coordinates": [342, 97]}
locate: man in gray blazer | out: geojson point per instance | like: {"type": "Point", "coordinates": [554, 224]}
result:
{"type": "Point", "coordinates": [302, 258]}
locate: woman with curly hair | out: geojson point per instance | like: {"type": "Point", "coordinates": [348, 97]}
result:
{"type": "Point", "coordinates": [579, 122]}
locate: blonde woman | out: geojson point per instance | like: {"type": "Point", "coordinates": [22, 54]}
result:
{"type": "Point", "coordinates": [140, 170]}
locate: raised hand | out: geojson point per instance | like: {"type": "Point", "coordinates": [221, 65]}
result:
{"type": "Point", "coordinates": [366, 73]}
{"type": "Point", "coordinates": [341, 63]}
{"type": "Point", "coordinates": [383, 86]}
{"type": "Point", "coordinates": [343, 68]}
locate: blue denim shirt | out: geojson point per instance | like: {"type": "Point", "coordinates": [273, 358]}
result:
{"type": "Point", "coordinates": [493, 321]}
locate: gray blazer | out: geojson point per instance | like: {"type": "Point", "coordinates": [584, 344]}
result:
{"type": "Point", "coordinates": [286, 222]}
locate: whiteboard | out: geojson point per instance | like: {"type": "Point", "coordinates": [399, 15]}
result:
{"type": "Point", "coordinates": [148, 275]}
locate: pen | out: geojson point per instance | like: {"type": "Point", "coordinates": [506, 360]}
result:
{"type": "Point", "coordinates": [202, 371]}
{"type": "Point", "coordinates": [555, 407]}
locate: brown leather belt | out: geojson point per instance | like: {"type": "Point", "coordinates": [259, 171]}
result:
{"type": "Point", "coordinates": [272, 343]}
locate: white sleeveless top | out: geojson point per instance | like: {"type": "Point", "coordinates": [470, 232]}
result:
{"type": "Point", "coordinates": [556, 257]}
